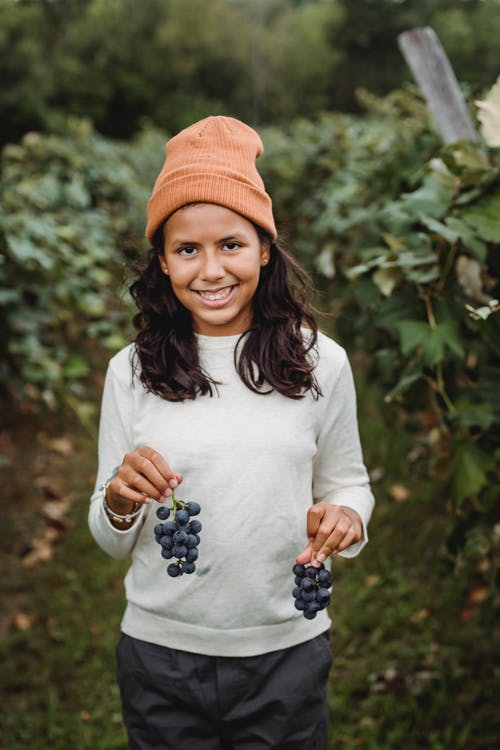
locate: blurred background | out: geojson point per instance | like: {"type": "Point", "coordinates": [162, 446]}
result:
{"type": "Point", "coordinates": [400, 233]}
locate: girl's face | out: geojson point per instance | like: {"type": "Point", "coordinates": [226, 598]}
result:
{"type": "Point", "coordinates": [213, 257]}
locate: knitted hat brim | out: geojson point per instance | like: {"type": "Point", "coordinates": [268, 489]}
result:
{"type": "Point", "coordinates": [242, 197]}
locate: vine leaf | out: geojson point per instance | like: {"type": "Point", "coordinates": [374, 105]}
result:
{"type": "Point", "coordinates": [432, 341]}
{"type": "Point", "coordinates": [470, 467]}
{"type": "Point", "coordinates": [484, 217]}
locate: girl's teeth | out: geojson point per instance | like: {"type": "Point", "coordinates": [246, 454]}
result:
{"type": "Point", "coordinates": [217, 295]}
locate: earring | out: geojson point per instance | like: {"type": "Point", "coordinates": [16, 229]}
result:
{"type": "Point", "coordinates": [264, 261]}
{"type": "Point", "coordinates": [165, 270]}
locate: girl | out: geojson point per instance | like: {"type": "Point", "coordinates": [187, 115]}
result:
{"type": "Point", "coordinates": [229, 390]}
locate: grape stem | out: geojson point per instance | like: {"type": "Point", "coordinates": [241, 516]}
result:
{"type": "Point", "coordinates": [177, 503]}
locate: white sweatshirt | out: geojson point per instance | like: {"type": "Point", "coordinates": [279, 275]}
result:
{"type": "Point", "coordinates": [255, 463]}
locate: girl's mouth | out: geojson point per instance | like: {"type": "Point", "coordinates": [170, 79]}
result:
{"type": "Point", "coordinates": [218, 295]}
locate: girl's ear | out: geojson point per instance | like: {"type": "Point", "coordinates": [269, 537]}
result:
{"type": "Point", "coordinates": [163, 263]}
{"type": "Point", "coordinates": [265, 252]}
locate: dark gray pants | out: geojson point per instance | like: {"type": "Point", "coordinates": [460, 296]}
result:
{"type": "Point", "coordinates": [176, 700]}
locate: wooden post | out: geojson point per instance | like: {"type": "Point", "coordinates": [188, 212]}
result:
{"type": "Point", "coordinates": [432, 70]}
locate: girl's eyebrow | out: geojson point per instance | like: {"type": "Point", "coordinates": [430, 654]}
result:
{"type": "Point", "coordinates": [235, 236]}
{"type": "Point", "coordinates": [179, 241]}
{"type": "Point", "coordinates": [229, 238]}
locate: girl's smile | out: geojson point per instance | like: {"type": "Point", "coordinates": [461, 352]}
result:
{"type": "Point", "coordinates": [218, 295]}
{"type": "Point", "coordinates": [213, 257]}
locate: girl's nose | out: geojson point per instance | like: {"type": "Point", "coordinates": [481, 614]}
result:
{"type": "Point", "coordinates": [212, 268]}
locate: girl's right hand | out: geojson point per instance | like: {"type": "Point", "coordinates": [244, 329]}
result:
{"type": "Point", "coordinates": [143, 475]}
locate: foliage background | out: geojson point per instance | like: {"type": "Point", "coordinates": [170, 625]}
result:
{"type": "Point", "coordinates": [401, 236]}
{"type": "Point", "coordinates": [122, 62]}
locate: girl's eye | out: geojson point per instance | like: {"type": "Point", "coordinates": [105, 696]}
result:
{"type": "Point", "coordinates": [187, 251]}
{"type": "Point", "coordinates": [231, 245]}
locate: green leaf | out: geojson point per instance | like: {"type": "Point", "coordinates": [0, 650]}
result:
{"type": "Point", "coordinates": [76, 366]}
{"type": "Point", "coordinates": [412, 334]}
{"type": "Point", "coordinates": [423, 275]}
{"type": "Point", "coordinates": [470, 414]}
{"type": "Point", "coordinates": [469, 238]}
{"type": "Point", "coordinates": [431, 340]}
{"type": "Point", "coordinates": [446, 232]}
{"type": "Point", "coordinates": [487, 388]}
{"type": "Point", "coordinates": [470, 467]}
{"type": "Point", "coordinates": [9, 297]}
{"type": "Point", "coordinates": [484, 217]}
{"type": "Point", "coordinates": [29, 254]}
{"type": "Point", "coordinates": [451, 334]}
{"type": "Point", "coordinates": [409, 376]}
{"type": "Point", "coordinates": [432, 199]}
{"type": "Point", "coordinates": [468, 156]}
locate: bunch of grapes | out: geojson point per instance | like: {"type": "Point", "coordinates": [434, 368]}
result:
{"type": "Point", "coordinates": [312, 589]}
{"type": "Point", "coordinates": [179, 537]}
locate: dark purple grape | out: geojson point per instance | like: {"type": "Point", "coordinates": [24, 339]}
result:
{"type": "Point", "coordinates": [193, 508]}
{"type": "Point", "coordinates": [309, 596]}
{"type": "Point", "coordinates": [307, 584]}
{"type": "Point", "coordinates": [179, 550]}
{"type": "Point", "coordinates": [174, 570]}
{"type": "Point", "coordinates": [167, 553]}
{"type": "Point", "coordinates": [322, 595]}
{"type": "Point", "coordinates": [192, 554]}
{"type": "Point", "coordinates": [325, 578]}
{"type": "Point", "coordinates": [188, 567]}
{"type": "Point", "coordinates": [180, 537]}
{"type": "Point", "coordinates": [309, 615]}
{"type": "Point", "coordinates": [163, 512]}
{"type": "Point", "coordinates": [299, 570]}
{"type": "Point", "coordinates": [300, 605]}
{"type": "Point", "coordinates": [196, 526]}
{"type": "Point", "coordinates": [182, 517]}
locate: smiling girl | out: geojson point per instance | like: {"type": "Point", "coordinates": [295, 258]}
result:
{"type": "Point", "coordinates": [229, 389]}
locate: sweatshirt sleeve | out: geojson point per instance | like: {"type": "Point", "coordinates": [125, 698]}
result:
{"type": "Point", "coordinates": [115, 439]}
{"type": "Point", "coordinates": [340, 476]}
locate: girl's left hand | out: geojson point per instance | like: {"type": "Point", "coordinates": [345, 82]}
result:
{"type": "Point", "coordinates": [330, 529]}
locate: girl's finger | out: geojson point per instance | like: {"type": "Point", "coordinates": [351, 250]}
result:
{"type": "Point", "coordinates": [342, 536]}
{"type": "Point", "coordinates": [124, 492]}
{"type": "Point", "coordinates": [346, 542]}
{"type": "Point", "coordinates": [156, 460]}
{"type": "Point", "coordinates": [137, 480]}
{"type": "Point", "coordinates": [151, 464]}
{"type": "Point", "coordinates": [330, 526]}
{"type": "Point", "coordinates": [314, 517]}
{"type": "Point", "coordinates": [305, 556]}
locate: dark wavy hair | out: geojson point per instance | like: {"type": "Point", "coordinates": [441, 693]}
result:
{"type": "Point", "coordinates": [273, 355]}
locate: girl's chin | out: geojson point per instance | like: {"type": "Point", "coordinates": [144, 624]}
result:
{"type": "Point", "coordinates": [219, 324]}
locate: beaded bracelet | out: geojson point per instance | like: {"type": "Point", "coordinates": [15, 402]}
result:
{"type": "Point", "coordinates": [128, 517]}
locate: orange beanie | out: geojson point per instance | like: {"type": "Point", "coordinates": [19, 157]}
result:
{"type": "Point", "coordinates": [212, 161]}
